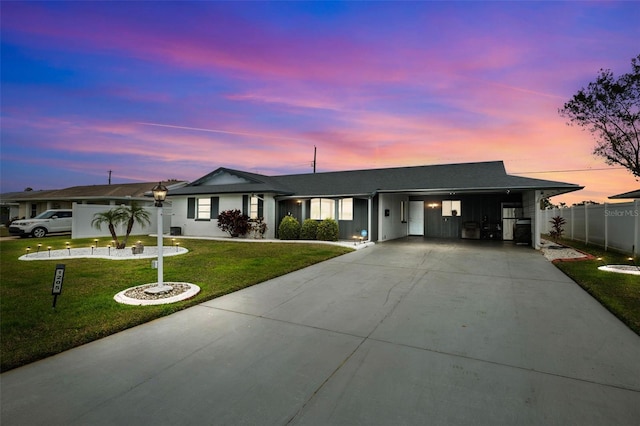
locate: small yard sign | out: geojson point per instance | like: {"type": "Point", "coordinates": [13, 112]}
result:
{"type": "Point", "coordinates": [58, 278]}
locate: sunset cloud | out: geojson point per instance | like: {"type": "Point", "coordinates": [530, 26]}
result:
{"type": "Point", "coordinates": [174, 90]}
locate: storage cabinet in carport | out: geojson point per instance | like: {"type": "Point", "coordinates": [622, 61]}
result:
{"type": "Point", "coordinates": [522, 231]}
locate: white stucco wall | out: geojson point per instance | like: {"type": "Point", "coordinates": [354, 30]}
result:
{"type": "Point", "coordinates": [391, 227]}
{"type": "Point", "coordinates": [83, 215]}
{"type": "Point", "coordinates": [209, 228]}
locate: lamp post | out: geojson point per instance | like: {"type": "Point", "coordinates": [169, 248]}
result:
{"type": "Point", "coordinates": [159, 194]}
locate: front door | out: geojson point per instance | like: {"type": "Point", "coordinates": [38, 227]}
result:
{"type": "Point", "coordinates": [416, 217]}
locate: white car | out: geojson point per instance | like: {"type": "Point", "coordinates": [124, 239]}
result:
{"type": "Point", "coordinates": [45, 223]}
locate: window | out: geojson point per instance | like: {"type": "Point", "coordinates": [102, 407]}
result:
{"type": "Point", "coordinates": [451, 208]}
{"type": "Point", "coordinates": [253, 205]}
{"type": "Point", "coordinates": [322, 208]}
{"type": "Point", "coordinates": [254, 202]}
{"type": "Point", "coordinates": [345, 209]}
{"type": "Point", "coordinates": [204, 208]}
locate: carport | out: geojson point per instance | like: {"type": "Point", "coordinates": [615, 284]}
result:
{"type": "Point", "coordinates": [463, 201]}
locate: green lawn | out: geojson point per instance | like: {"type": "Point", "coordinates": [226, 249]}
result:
{"type": "Point", "coordinates": [31, 329]}
{"type": "Point", "coordinates": [619, 293]}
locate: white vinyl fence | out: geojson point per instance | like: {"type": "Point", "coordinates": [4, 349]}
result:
{"type": "Point", "coordinates": [83, 215]}
{"type": "Point", "coordinates": [612, 226]}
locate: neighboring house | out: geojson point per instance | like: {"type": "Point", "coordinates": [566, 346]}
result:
{"type": "Point", "coordinates": [85, 201]}
{"type": "Point", "coordinates": [469, 200]}
{"type": "Point", "coordinates": [29, 204]}
{"type": "Point", "coordinates": [626, 195]}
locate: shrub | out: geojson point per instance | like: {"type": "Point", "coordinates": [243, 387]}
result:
{"type": "Point", "coordinates": [328, 230]}
{"type": "Point", "coordinates": [309, 229]}
{"type": "Point", "coordinates": [557, 229]}
{"type": "Point", "coordinates": [234, 222]}
{"type": "Point", "coordinates": [258, 227]}
{"type": "Point", "coordinates": [289, 228]}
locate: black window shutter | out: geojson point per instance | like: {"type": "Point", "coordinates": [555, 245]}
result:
{"type": "Point", "coordinates": [245, 204]}
{"type": "Point", "coordinates": [261, 205]}
{"type": "Point", "coordinates": [215, 207]}
{"type": "Point", "coordinates": [191, 208]}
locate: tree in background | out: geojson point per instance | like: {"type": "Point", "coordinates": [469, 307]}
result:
{"type": "Point", "coordinates": [610, 109]}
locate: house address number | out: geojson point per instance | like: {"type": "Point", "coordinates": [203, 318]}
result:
{"type": "Point", "coordinates": [58, 278]}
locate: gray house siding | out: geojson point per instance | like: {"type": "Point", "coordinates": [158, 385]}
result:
{"type": "Point", "coordinates": [351, 228]}
{"type": "Point", "coordinates": [481, 209]}
{"type": "Point", "coordinates": [301, 210]}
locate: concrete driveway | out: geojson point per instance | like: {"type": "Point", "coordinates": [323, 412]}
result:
{"type": "Point", "coordinates": [403, 333]}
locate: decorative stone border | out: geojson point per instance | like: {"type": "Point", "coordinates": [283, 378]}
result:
{"type": "Point", "coordinates": [103, 253]}
{"type": "Point", "coordinates": [621, 269]}
{"type": "Point", "coordinates": [137, 296]}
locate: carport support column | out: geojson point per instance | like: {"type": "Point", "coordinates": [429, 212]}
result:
{"type": "Point", "coordinates": [535, 226]}
{"type": "Point", "coordinates": [369, 221]}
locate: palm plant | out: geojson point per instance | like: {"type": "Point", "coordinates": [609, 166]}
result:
{"type": "Point", "coordinates": [111, 218]}
{"type": "Point", "coordinates": [123, 214]}
{"type": "Point", "coordinates": [132, 214]}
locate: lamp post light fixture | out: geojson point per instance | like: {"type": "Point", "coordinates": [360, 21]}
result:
{"type": "Point", "coordinates": [159, 195]}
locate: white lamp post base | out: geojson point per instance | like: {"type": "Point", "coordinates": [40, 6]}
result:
{"type": "Point", "coordinates": [159, 289]}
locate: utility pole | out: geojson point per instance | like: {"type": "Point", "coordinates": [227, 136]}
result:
{"type": "Point", "coordinates": [109, 177]}
{"type": "Point", "coordinates": [314, 158]}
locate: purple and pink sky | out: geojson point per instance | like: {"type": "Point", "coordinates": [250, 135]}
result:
{"type": "Point", "coordinates": [161, 90]}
